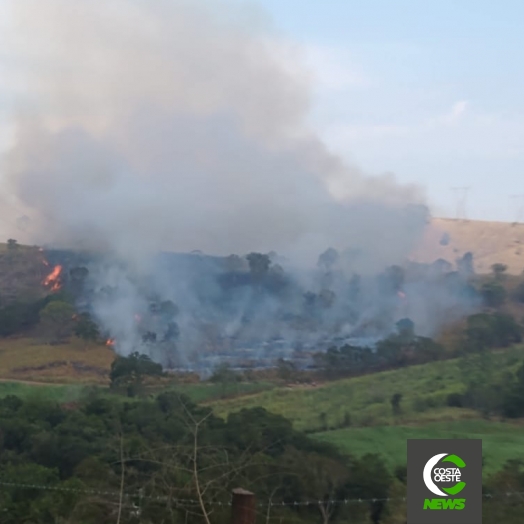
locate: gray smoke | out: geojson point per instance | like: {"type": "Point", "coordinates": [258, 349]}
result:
{"type": "Point", "coordinates": [178, 126]}
{"type": "Point", "coordinates": [181, 125]}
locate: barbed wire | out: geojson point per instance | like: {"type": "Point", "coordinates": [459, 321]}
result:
{"type": "Point", "coordinates": [267, 503]}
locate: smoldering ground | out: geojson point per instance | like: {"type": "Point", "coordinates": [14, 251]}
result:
{"type": "Point", "coordinates": [179, 125]}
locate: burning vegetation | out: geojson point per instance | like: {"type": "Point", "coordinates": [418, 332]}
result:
{"type": "Point", "coordinates": [52, 280]}
{"type": "Point", "coordinates": [193, 311]}
{"type": "Point", "coordinates": [140, 184]}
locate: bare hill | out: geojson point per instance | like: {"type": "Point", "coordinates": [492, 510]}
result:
{"type": "Point", "coordinates": [490, 243]}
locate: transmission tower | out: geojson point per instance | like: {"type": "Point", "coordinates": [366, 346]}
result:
{"type": "Point", "coordinates": [519, 200]}
{"type": "Point", "coordinates": [461, 194]}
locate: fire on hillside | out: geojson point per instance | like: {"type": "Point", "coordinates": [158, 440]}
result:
{"type": "Point", "coordinates": [52, 280]}
{"type": "Point", "coordinates": [190, 311]}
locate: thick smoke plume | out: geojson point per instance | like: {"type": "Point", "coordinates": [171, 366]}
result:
{"type": "Point", "coordinates": [182, 125]}
{"type": "Point", "coordinates": [174, 125]}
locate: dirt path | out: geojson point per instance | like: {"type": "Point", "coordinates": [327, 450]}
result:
{"type": "Point", "coordinates": [33, 383]}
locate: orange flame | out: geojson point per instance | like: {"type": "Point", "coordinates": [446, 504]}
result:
{"type": "Point", "coordinates": [110, 342]}
{"type": "Point", "coordinates": [53, 278]}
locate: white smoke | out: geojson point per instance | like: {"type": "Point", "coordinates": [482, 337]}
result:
{"type": "Point", "coordinates": [181, 125]}
{"type": "Point", "coordinates": [146, 125]}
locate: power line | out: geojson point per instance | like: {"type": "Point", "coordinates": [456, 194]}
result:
{"type": "Point", "coordinates": [519, 217]}
{"type": "Point", "coordinates": [462, 195]}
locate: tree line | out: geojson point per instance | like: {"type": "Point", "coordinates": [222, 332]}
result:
{"type": "Point", "coordinates": [168, 460]}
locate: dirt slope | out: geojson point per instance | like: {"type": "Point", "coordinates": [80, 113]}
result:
{"type": "Point", "coordinates": [490, 243]}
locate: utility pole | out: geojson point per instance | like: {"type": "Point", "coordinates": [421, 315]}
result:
{"type": "Point", "coordinates": [243, 507]}
{"type": "Point", "coordinates": [520, 207]}
{"type": "Point", "coordinates": [462, 195]}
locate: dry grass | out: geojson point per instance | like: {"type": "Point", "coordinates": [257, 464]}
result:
{"type": "Point", "coordinates": [490, 243]}
{"type": "Point", "coordinates": [21, 273]}
{"type": "Point", "coordinates": [31, 360]}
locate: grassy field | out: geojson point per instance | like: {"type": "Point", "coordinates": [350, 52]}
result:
{"type": "Point", "coordinates": [500, 441]}
{"type": "Point", "coordinates": [31, 364]}
{"type": "Point", "coordinates": [198, 392]}
{"type": "Point", "coordinates": [29, 359]}
{"type": "Point", "coordinates": [205, 392]}
{"type": "Point", "coordinates": [57, 393]}
{"type": "Point", "coordinates": [363, 404]}
{"type": "Point", "coordinates": [366, 401]}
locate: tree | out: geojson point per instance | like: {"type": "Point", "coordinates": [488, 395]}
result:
{"type": "Point", "coordinates": [513, 405]}
{"type": "Point", "coordinates": [56, 320]}
{"type": "Point", "coordinates": [328, 259]}
{"type": "Point", "coordinates": [493, 293]}
{"type": "Point", "coordinates": [224, 376]}
{"type": "Point", "coordinates": [78, 277]}
{"type": "Point", "coordinates": [310, 299]}
{"type": "Point", "coordinates": [12, 244]}
{"type": "Point", "coordinates": [234, 263]}
{"type": "Point", "coordinates": [492, 331]}
{"type": "Point", "coordinates": [371, 481]}
{"type": "Point", "coordinates": [499, 270]}
{"type": "Point", "coordinates": [286, 369]}
{"type": "Point", "coordinates": [327, 298]}
{"type": "Point", "coordinates": [444, 239]}
{"type": "Point", "coordinates": [86, 329]}
{"type": "Point", "coordinates": [395, 403]}
{"type": "Point", "coordinates": [476, 371]}
{"type": "Point", "coordinates": [319, 478]}
{"type": "Point", "coordinates": [465, 265]}
{"type": "Point", "coordinates": [406, 328]}
{"type": "Point", "coordinates": [20, 316]}
{"type": "Point", "coordinates": [79, 273]}
{"type": "Point", "coordinates": [129, 372]}
{"type": "Point", "coordinates": [507, 330]}
{"type": "Point", "coordinates": [441, 266]}
{"type": "Point", "coordinates": [518, 293]}
{"type": "Point", "coordinates": [355, 287]}
{"type": "Point", "coordinates": [172, 332]}
{"type": "Point", "coordinates": [258, 264]}
{"type": "Point", "coordinates": [166, 460]}
{"type": "Point", "coordinates": [395, 276]}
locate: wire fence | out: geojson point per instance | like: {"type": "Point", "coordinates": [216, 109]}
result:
{"type": "Point", "coordinates": [268, 503]}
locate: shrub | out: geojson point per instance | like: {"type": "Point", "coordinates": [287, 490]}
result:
{"type": "Point", "coordinates": [455, 400]}
{"type": "Point", "coordinates": [493, 294]}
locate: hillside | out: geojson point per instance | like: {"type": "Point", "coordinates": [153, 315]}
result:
{"type": "Point", "coordinates": [356, 414]}
{"type": "Point", "coordinates": [501, 441]}
{"type": "Point", "coordinates": [490, 243]}
{"type": "Point", "coordinates": [24, 355]}
{"type": "Point", "coordinates": [22, 270]}
{"type": "Point", "coordinates": [365, 399]}
{"type": "Point", "coordinates": [30, 359]}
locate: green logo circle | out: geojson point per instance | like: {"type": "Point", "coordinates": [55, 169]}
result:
{"type": "Point", "coordinates": [444, 475]}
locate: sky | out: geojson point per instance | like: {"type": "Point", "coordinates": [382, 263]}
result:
{"type": "Point", "coordinates": [430, 91]}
